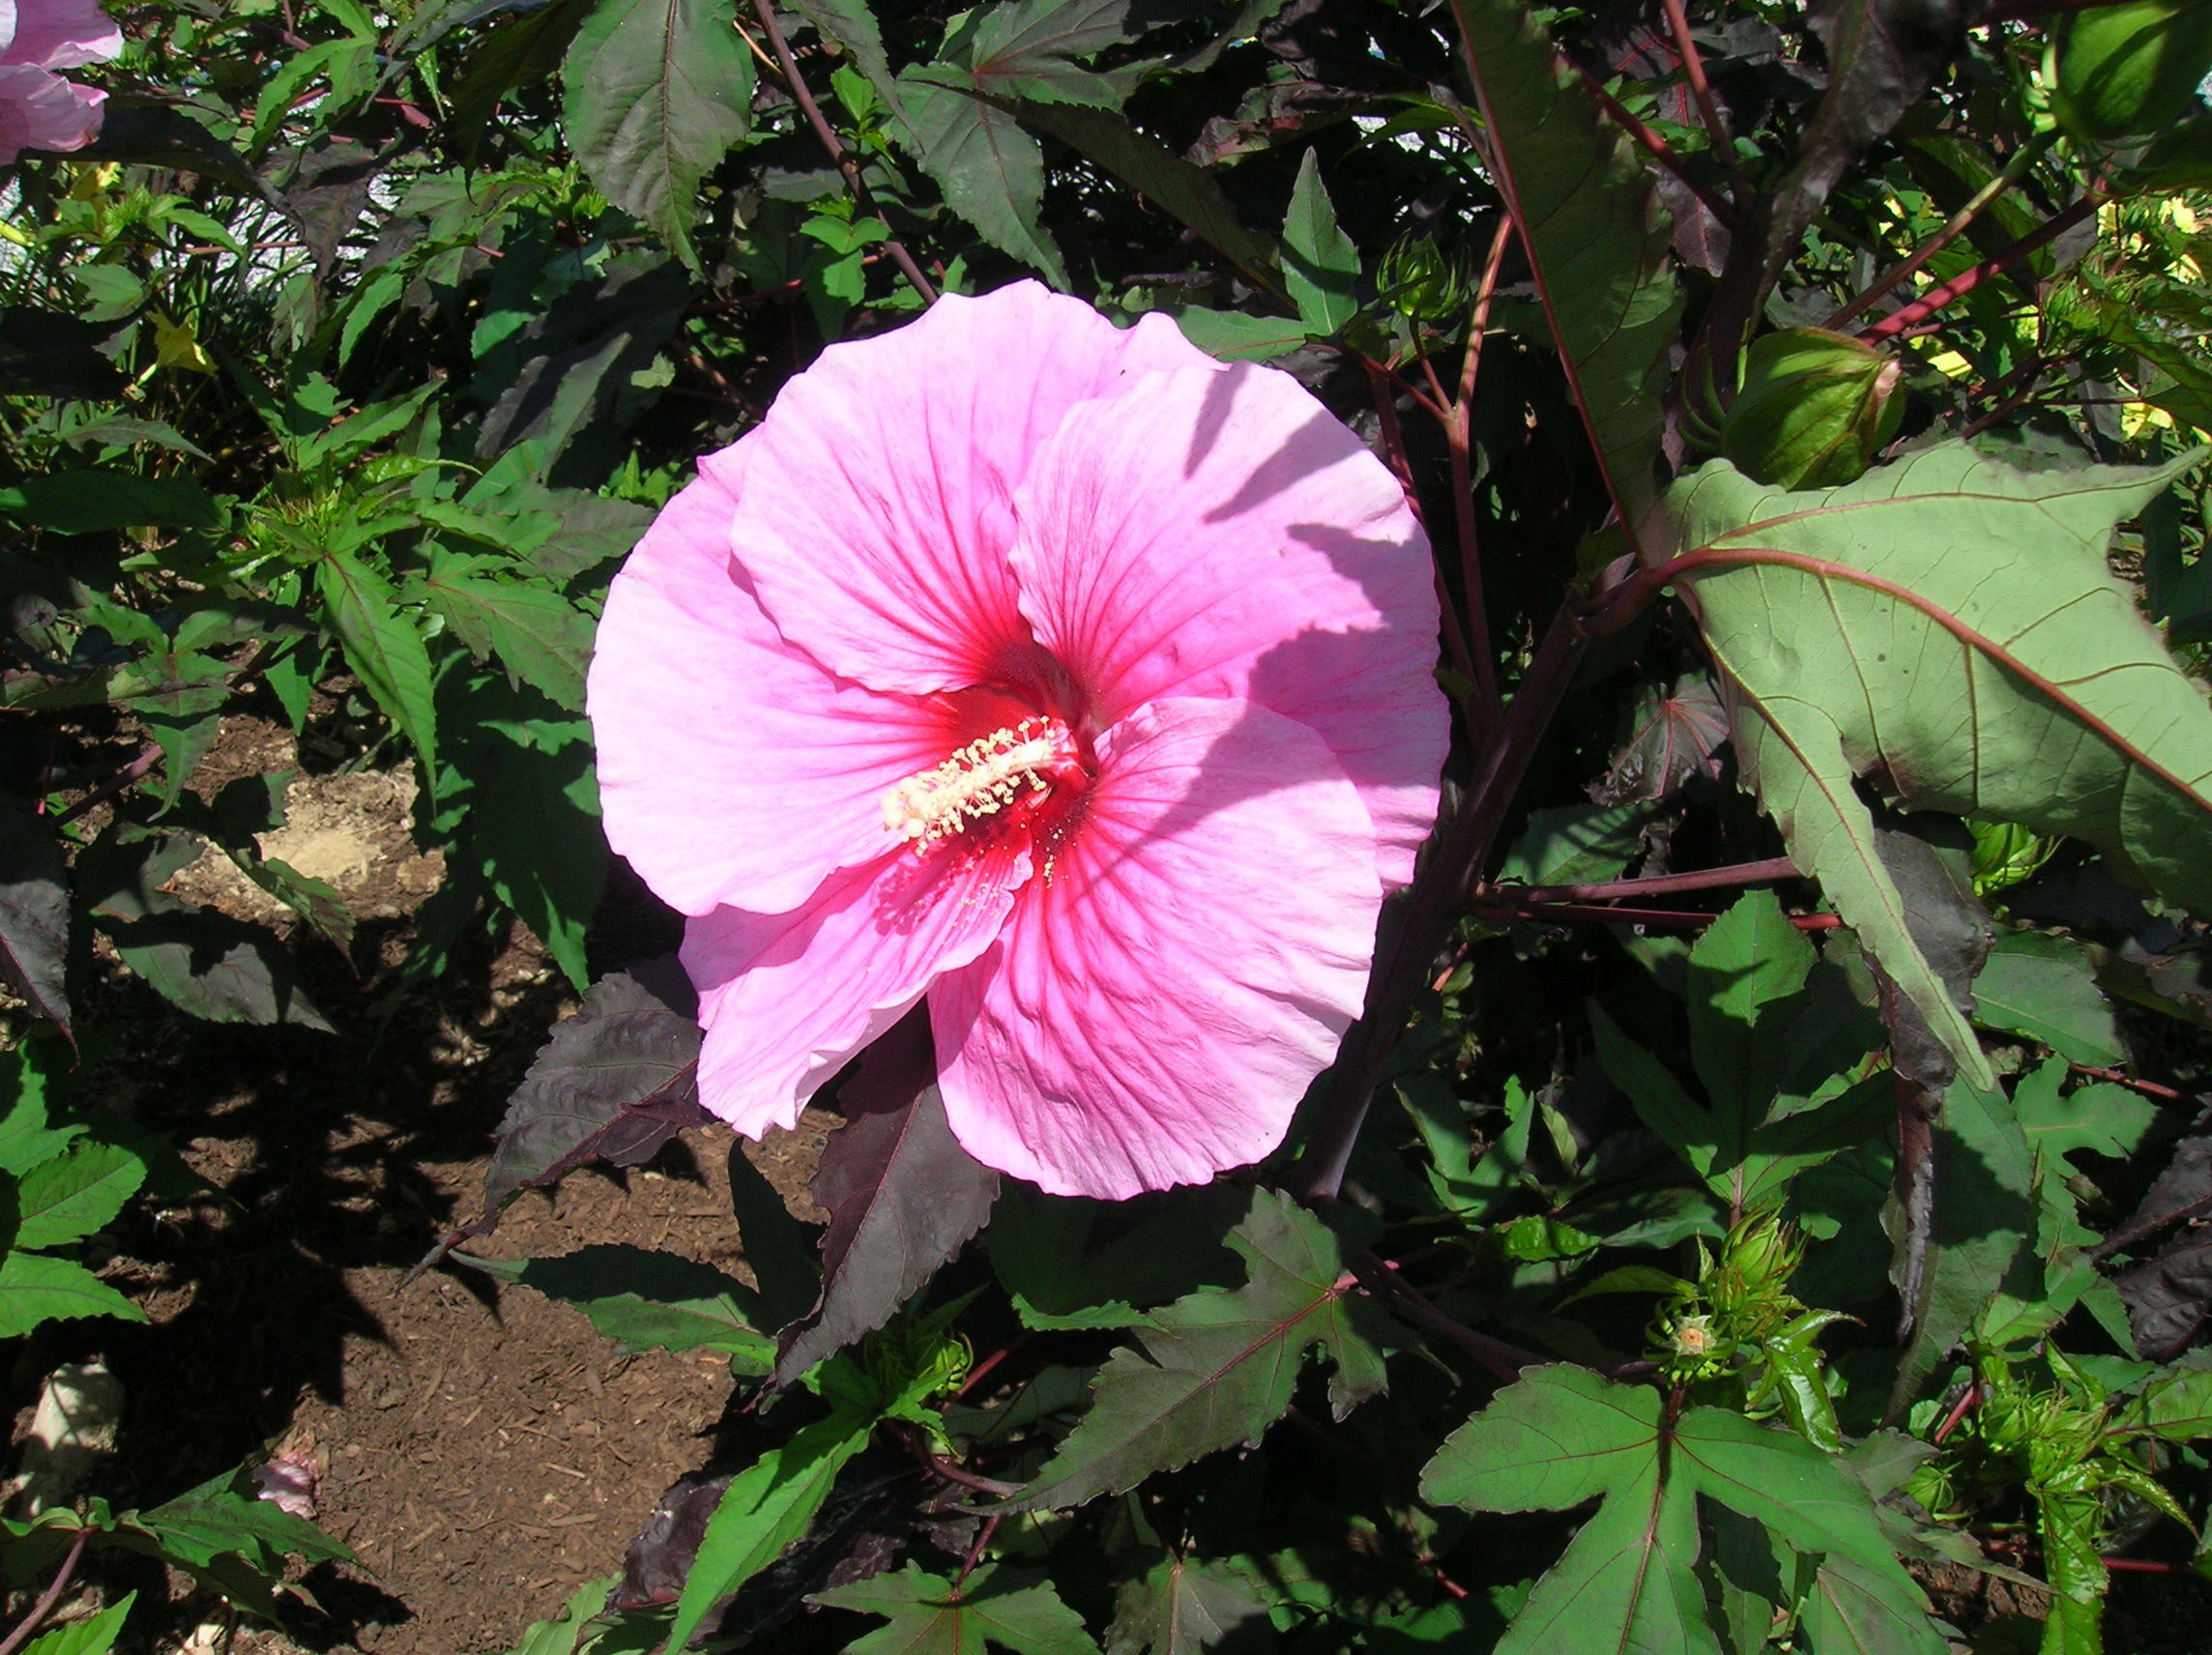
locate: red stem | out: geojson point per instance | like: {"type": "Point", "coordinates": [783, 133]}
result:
{"type": "Point", "coordinates": [1694, 70]}
{"type": "Point", "coordinates": [2119, 1077]}
{"type": "Point", "coordinates": [51, 1596]}
{"type": "Point", "coordinates": [1971, 1395]}
{"type": "Point", "coordinates": [1459, 441]}
{"type": "Point", "coordinates": [1659, 149]}
{"type": "Point", "coordinates": [1966, 281]}
{"type": "Point", "coordinates": [1770, 871]}
{"type": "Point", "coordinates": [1503, 1360]}
{"type": "Point", "coordinates": [135, 770]}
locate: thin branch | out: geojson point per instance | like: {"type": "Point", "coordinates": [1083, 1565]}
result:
{"type": "Point", "coordinates": [1660, 151]}
{"type": "Point", "coordinates": [953, 1474]}
{"type": "Point", "coordinates": [2120, 1077]}
{"type": "Point", "coordinates": [1966, 281]}
{"type": "Point", "coordinates": [1694, 70]}
{"type": "Point", "coordinates": [1959, 222]}
{"type": "Point", "coordinates": [1459, 442]}
{"type": "Point", "coordinates": [1379, 387]}
{"type": "Point", "coordinates": [51, 1596]}
{"type": "Point", "coordinates": [133, 771]}
{"type": "Point", "coordinates": [1503, 1360]}
{"type": "Point", "coordinates": [839, 156]}
{"type": "Point", "coordinates": [1769, 871]}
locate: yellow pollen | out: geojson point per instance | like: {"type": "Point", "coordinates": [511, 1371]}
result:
{"type": "Point", "coordinates": [979, 780]}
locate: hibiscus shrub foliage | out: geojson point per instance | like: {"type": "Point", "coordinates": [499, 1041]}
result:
{"type": "Point", "coordinates": [1733, 468]}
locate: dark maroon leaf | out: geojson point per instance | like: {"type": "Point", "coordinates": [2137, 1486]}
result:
{"type": "Point", "coordinates": [902, 1195]}
{"type": "Point", "coordinates": [2169, 1297]}
{"type": "Point", "coordinates": [34, 912]}
{"type": "Point", "coordinates": [613, 1083]}
{"type": "Point", "coordinates": [1672, 735]}
{"type": "Point", "coordinates": [1883, 55]}
{"type": "Point", "coordinates": [2181, 1192]}
{"type": "Point", "coordinates": [660, 1556]}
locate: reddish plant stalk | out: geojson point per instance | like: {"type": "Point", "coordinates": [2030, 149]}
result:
{"type": "Point", "coordinates": [51, 1596]}
{"type": "Point", "coordinates": [1459, 443]}
{"type": "Point", "coordinates": [1394, 450]}
{"type": "Point", "coordinates": [1964, 1406]}
{"type": "Point", "coordinates": [1768, 871]}
{"type": "Point", "coordinates": [2120, 1077]}
{"type": "Point", "coordinates": [839, 156]}
{"type": "Point", "coordinates": [133, 771]}
{"type": "Point", "coordinates": [1956, 225]}
{"type": "Point", "coordinates": [1659, 149]}
{"type": "Point", "coordinates": [1701, 89]}
{"type": "Point", "coordinates": [1966, 280]}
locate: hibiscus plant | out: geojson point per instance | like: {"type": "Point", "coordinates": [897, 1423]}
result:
{"type": "Point", "coordinates": [1466, 744]}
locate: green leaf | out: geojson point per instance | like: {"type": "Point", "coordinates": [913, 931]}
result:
{"type": "Point", "coordinates": [2105, 1119]}
{"type": "Point", "coordinates": [1320, 266]}
{"type": "Point", "coordinates": [541, 637]}
{"type": "Point", "coordinates": [1181, 1606]}
{"type": "Point", "coordinates": [96, 1634]}
{"type": "Point", "coordinates": [1948, 624]}
{"type": "Point", "coordinates": [1985, 1175]}
{"type": "Point", "coordinates": [658, 91]}
{"type": "Point", "coordinates": [648, 1300]}
{"type": "Point", "coordinates": [384, 648]}
{"type": "Point", "coordinates": [1629, 1579]}
{"type": "Point", "coordinates": [26, 1141]}
{"type": "Point", "coordinates": [991, 170]}
{"type": "Point", "coordinates": [2044, 986]}
{"type": "Point", "coordinates": [1575, 844]}
{"type": "Point", "coordinates": [560, 1635]}
{"type": "Point", "coordinates": [1188, 193]}
{"type": "Point", "coordinates": [89, 502]}
{"type": "Point", "coordinates": [765, 1507]}
{"type": "Point", "coordinates": [2178, 1407]}
{"type": "Point", "coordinates": [69, 1197]}
{"type": "Point", "coordinates": [1748, 961]}
{"type": "Point", "coordinates": [850, 24]}
{"type": "Point", "coordinates": [35, 1288]}
{"type": "Point", "coordinates": [1231, 335]}
{"type": "Point", "coordinates": [1588, 217]}
{"type": "Point", "coordinates": [1216, 1369]}
{"type": "Point", "coordinates": [995, 1606]}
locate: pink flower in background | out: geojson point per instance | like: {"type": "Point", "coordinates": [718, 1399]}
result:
{"type": "Point", "coordinates": [1059, 676]}
{"type": "Point", "coordinates": [39, 110]}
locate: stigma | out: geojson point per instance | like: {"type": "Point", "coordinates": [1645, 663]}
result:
{"type": "Point", "coordinates": [994, 775]}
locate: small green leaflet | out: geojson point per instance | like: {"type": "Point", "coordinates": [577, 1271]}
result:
{"type": "Point", "coordinates": [1320, 264]}
{"type": "Point", "coordinates": [1216, 1369]}
{"type": "Point", "coordinates": [647, 1299]}
{"type": "Point", "coordinates": [69, 1197]}
{"type": "Point", "coordinates": [657, 92]}
{"type": "Point", "coordinates": [765, 1507]}
{"type": "Point", "coordinates": [1181, 1606]}
{"type": "Point", "coordinates": [1009, 1608]}
{"type": "Point", "coordinates": [96, 1636]}
{"type": "Point", "coordinates": [384, 648]}
{"type": "Point", "coordinates": [36, 1287]}
{"type": "Point", "coordinates": [541, 637]}
{"type": "Point", "coordinates": [2044, 986]}
{"type": "Point", "coordinates": [1629, 1579]}
{"type": "Point", "coordinates": [1969, 601]}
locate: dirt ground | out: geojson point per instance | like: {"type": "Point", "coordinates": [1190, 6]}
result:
{"type": "Point", "coordinates": [483, 1451]}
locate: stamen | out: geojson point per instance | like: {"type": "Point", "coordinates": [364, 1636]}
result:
{"type": "Point", "coordinates": [978, 781]}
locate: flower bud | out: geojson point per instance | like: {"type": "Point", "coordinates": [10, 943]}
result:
{"type": "Point", "coordinates": [1815, 409]}
{"type": "Point", "coordinates": [2132, 69]}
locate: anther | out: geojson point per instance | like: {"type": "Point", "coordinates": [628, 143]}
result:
{"type": "Point", "coordinates": [978, 781]}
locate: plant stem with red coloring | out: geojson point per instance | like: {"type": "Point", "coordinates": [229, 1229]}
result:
{"type": "Point", "coordinates": [1966, 281]}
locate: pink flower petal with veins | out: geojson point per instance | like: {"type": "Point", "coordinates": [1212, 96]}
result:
{"type": "Point", "coordinates": [57, 34]}
{"type": "Point", "coordinates": [1156, 1011]}
{"type": "Point", "coordinates": [1239, 542]}
{"type": "Point", "coordinates": [1053, 675]}
{"type": "Point", "coordinates": [715, 737]}
{"type": "Point", "coordinates": [42, 111]}
{"type": "Point", "coordinates": [881, 547]}
{"type": "Point", "coordinates": [786, 1000]}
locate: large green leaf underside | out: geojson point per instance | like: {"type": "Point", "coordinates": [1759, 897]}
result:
{"type": "Point", "coordinates": [1946, 629]}
{"type": "Point", "coordinates": [1594, 230]}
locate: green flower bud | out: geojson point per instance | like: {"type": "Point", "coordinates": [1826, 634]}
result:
{"type": "Point", "coordinates": [2006, 855]}
{"type": "Point", "coordinates": [2130, 71]}
{"type": "Point", "coordinates": [1424, 283]}
{"type": "Point", "coordinates": [1815, 409]}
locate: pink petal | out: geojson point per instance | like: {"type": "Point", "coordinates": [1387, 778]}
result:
{"type": "Point", "coordinates": [1157, 1005]}
{"type": "Point", "coordinates": [877, 535]}
{"type": "Point", "coordinates": [42, 111]}
{"type": "Point", "coordinates": [58, 34]}
{"type": "Point", "coordinates": [732, 770]}
{"type": "Point", "coordinates": [1235, 539]}
{"type": "Point", "coordinates": [787, 1000]}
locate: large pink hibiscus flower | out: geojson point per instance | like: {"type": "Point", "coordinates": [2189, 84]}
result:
{"type": "Point", "coordinates": [1059, 676]}
{"type": "Point", "coordinates": [39, 110]}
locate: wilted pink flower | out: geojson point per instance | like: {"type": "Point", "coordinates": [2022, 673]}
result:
{"type": "Point", "coordinates": [288, 1482]}
{"type": "Point", "coordinates": [39, 110]}
{"type": "Point", "coordinates": [1058, 675]}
